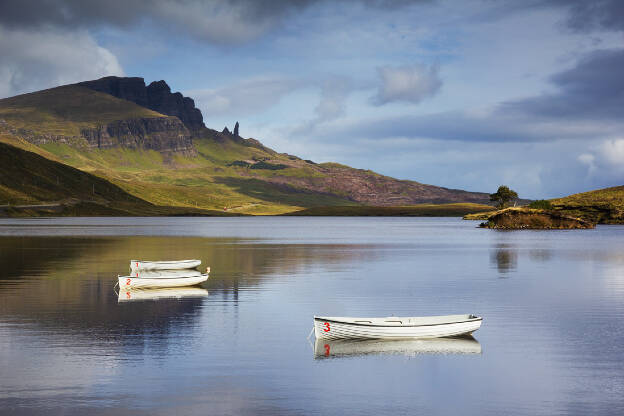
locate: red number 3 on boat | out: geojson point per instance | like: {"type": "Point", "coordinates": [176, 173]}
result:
{"type": "Point", "coordinates": [327, 328]}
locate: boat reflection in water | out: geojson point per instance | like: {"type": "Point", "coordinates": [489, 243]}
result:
{"type": "Point", "coordinates": [130, 295]}
{"type": "Point", "coordinates": [353, 347]}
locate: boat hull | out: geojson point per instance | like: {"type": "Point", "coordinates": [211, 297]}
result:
{"type": "Point", "coordinates": [435, 327]}
{"type": "Point", "coordinates": [143, 282]}
{"type": "Point", "coordinates": [164, 265]}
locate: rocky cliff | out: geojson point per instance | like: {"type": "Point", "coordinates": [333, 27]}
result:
{"type": "Point", "coordinates": [163, 134]}
{"type": "Point", "coordinates": [156, 96]}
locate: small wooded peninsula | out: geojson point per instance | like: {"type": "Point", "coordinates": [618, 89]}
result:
{"type": "Point", "coordinates": [522, 218]}
{"type": "Point", "coordinates": [583, 210]}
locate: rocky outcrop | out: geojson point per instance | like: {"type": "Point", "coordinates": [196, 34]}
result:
{"type": "Point", "coordinates": [528, 219]}
{"type": "Point", "coordinates": [236, 130]}
{"type": "Point", "coordinates": [34, 137]}
{"type": "Point", "coordinates": [161, 99]}
{"type": "Point", "coordinates": [156, 96]}
{"type": "Point", "coordinates": [163, 134]}
{"type": "Point", "coordinates": [127, 88]}
{"type": "Point", "coordinates": [602, 213]}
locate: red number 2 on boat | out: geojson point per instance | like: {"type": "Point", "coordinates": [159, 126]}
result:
{"type": "Point", "coordinates": [327, 328]}
{"type": "Point", "coordinates": [128, 282]}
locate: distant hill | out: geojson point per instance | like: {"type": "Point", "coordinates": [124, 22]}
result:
{"type": "Point", "coordinates": [604, 206]}
{"type": "Point", "coordinates": [168, 158]}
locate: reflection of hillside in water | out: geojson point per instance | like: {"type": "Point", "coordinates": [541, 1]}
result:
{"type": "Point", "coordinates": [67, 283]}
{"type": "Point", "coordinates": [22, 257]}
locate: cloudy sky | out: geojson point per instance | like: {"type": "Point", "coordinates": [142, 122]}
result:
{"type": "Point", "coordinates": [463, 94]}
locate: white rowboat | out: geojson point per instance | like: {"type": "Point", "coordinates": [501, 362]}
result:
{"type": "Point", "coordinates": [324, 348]}
{"type": "Point", "coordinates": [164, 265]}
{"type": "Point", "coordinates": [126, 282]}
{"type": "Point", "coordinates": [394, 327]}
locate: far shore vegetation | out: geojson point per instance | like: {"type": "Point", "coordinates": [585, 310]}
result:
{"type": "Point", "coordinates": [420, 210]}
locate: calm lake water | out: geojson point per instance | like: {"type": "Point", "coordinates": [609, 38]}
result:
{"type": "Point", "coordinates": [552, 340]}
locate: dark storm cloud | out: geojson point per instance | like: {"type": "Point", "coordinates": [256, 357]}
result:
{"type": "Point", "coordinates": [593, 89]}
{"type": "Point", "coordinates": [221, 21]}
{"type": "Point", "coordinates": [581, 15]}
{"type": "Point", "coordinates": [586, 15]}
{"type": "Point", "coordinates": [22, 13]}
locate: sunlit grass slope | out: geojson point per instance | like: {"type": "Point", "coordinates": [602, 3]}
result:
{"type": "Point", "coordinates": [206, 181]}
{"type": "Point", "coordinates": [66, 110]}
{"type": "Point", "coordinates": [602, 205]}
{"type": "Point", "coordinates": [33, 185]}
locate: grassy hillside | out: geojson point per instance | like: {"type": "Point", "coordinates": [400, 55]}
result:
{"type": "Point", "coordinates": [67, 109]}
{"type": "Point", "coordinates": [602, 206]}
{"type": "Point", "coordinates": [33, 185]}
{"type": "Point", "coordinates": [206, 181]}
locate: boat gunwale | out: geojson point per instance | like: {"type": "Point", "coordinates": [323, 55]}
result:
{"type": "Point", "coordinates": [165, 261]}
{"type": "Point", "coordinates": [475, 319]}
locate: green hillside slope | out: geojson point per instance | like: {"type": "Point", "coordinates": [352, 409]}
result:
{"type": "Point", "coordinates": [600, 206]}
{"type": "Point", "coordinates": [66, 110]}
{"type": "Point", "coordinates": [33, 185]}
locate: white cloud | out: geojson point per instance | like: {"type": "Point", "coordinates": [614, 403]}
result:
{"type": "Point", "coordinates": [33, 60]}
{"type": "Point", "coordinates": [613, 152]}
{"type": "Point", "coordinates": [409, 83]}
{"type": "Point", "coordinates": [332, 104]}
{"type": "Point", "coordinates": [588, 160]}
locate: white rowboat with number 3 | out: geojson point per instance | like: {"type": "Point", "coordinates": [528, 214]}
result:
{"type": "Point", "coordinates": [393, 327]}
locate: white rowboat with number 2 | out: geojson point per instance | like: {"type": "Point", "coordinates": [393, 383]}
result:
{"type": "Point", "coordinates": [393, 327]}
{"type": "Point", "coordinates": [174, 281]}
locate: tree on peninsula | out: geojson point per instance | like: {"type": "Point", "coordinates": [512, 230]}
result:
{"type": "Point", "coordinates": [503, 196]}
